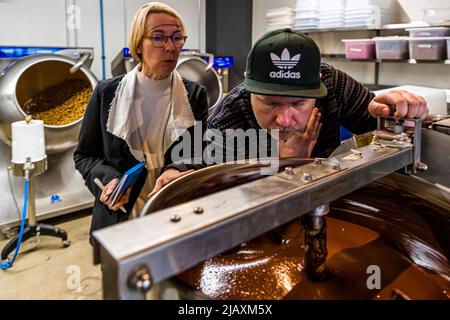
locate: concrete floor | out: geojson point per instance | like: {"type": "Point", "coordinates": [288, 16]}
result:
{"type": "Point", "coordinates": [50, 271]}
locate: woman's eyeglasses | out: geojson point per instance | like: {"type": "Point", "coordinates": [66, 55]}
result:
{"type": "Point", "coordinates": [159, 40]}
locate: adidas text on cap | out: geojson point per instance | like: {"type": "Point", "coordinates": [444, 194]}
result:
{"type": "Point", "coordinates": [285, 63]}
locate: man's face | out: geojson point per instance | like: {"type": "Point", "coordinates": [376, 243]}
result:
{"type": "Point", "coordinates": [288, 114]}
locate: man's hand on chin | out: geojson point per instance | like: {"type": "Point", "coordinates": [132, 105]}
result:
{"type": "Point", "coordinates": [301, 144]}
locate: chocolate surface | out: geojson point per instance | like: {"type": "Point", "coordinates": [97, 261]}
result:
{"type": "Point", "coordinates": [397, 227]}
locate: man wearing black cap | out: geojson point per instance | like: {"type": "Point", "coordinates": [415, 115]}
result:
{"type": "Point", "coordinates": [288, 88]}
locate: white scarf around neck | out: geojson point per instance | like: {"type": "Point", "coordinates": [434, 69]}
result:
{"type": "Point", "coordinates": [122, 120]}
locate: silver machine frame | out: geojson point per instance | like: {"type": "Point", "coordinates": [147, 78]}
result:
{"type": "Point", "coordinates": [138, 254]}
{"type": "Point", "coordinates": [62, 179]}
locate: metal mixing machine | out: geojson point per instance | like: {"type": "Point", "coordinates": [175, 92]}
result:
{"type": "Point", "coordinates": [27, 73]}
{"type": "Point", "coordinates": [316, 229]}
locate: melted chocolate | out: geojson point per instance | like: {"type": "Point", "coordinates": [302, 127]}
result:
{"type": "Point", "coordinates": [380, 227]}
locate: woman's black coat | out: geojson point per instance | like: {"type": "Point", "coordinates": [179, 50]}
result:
{"type": "Point", "coordinates": [104, 156]}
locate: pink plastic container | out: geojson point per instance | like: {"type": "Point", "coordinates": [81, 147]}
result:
{"type": "Point", "coordinates": [359, 48]}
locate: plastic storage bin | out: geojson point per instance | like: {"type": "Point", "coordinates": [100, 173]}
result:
{"type": "Point", "coordinates": [359, 48]}
{"type": "Point", "coordinates": [436, 14]}
{"type": "Point", "coordinates": [391, 48]}
{"type": "Point", "coordinates": [429, 32]}
{"type": "Point", "coordinates": [448, 48]}
{"type": "Point", "coordinates": [428, 48]}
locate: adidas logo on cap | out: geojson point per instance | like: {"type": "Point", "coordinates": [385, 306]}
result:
{"type": "Point", "coordinates": [285, 62]}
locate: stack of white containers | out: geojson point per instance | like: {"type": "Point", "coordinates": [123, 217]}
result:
{"type": "Point", "coordinates": [307, 14]}
{"type": "Point", "coordinates": [319, 14]}
{"type": "Point", "coordinates": [327, 14]}
{"type": "Point", "coordinates": [279, 18]}
{"type": "Point", "coordinates": [371, 14]}
{"type": "Point", "coordinates": [331, 14]}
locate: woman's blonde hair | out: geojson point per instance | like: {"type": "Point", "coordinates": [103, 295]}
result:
{"type": "Point", "coordinates": [138, 24]}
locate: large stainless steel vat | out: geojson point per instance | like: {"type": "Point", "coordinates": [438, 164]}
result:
{"type": "Point", "coordinates": [31, 75]}
{"type": "Point", "coordinates": [194, 68]}
{"type": "Point", "coordinates": [398, 224]}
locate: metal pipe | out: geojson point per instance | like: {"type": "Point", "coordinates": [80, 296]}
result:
{"type": "Point", "coordinates": [199, 25]}
{"type": "Point", "coordinates": [199, 54]}
{"type": "Point", "coordinates": [125, 24]}
{"type": "Point", "coordinates": [210, 61]}
{"type": "Point", "coordinates": [28, 167]}
{"type": "Point", "coordinates": [31, 204]}
{"type": "Point", "coordinates": [315, 225]}
{"type": "Point", "coordinates": [80, 62]}
{"type": "Point", "coordinates": [102, 32]}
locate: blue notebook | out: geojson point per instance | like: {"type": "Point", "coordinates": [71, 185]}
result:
{"type": "Point", "coordinates": [128, 179]}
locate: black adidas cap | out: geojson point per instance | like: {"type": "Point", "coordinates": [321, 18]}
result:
{"type": "Point", "coordinates": [285, 63]}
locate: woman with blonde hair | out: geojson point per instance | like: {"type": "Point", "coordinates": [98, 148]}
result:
{"type": "Point", "coordinates": [139, 116]}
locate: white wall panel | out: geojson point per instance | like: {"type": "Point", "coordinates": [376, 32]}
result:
{"type": "Point", "coordinates": [32, 23]}
{"type": "Point", "coordinates": [43, 23]}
